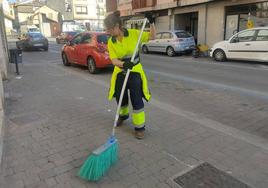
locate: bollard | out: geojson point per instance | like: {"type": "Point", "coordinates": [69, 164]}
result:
{"type": "Point", "coordinates": [16, 58]}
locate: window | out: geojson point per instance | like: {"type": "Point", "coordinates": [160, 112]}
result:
{"type": "Point", "coordinates": [158, 36]}
{"type": "Point", "coordinates": [103, 39]}
{"type": "Point", "coordinates": [81, 10]}
{"type": "Point", "coordinates": [262, 35]}
{"type": "Point", "coordinates": [166, 36]}
{"type": "Point", "coordinates": [86, 39]}
{"type": "Point", "coordinates": [246, 36]}
{"type": "Point", "coordinates": [183, 34]}
{"type": "Point", "coordinates": [76, 40]}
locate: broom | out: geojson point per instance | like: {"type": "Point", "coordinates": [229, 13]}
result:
{"type": "Point", "coordinates": [106, 155]}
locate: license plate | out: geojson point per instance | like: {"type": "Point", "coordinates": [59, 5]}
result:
{"type": "Point", "coordinates": [38, 44]}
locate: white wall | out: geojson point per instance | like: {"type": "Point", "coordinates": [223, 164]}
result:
{"type": "Point", "coordinates": [46, 29]}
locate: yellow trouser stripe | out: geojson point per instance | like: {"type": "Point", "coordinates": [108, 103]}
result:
{"type": "Point", "coordinates": [138, 119]}
{"type": "Point", "coordinates": [124, 111]}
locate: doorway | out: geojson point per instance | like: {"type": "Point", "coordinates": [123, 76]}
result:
{"type": "Point", "coordinates": [187, 22]}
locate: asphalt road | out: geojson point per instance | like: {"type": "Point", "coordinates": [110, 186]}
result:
{"type": "Point", "coordinates": [233, 94]}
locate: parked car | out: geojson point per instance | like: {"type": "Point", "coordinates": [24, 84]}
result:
{"type": "Point", "coordinates": [250, 44]}
{"type": "Point", "coordinates": [32, 40]}
{"type": "Point", "coordinates": [66, 36]}
{"type": "Point", "coordinates": [87, 49]}
{"type": "Point", "coordinates": [170, 42]}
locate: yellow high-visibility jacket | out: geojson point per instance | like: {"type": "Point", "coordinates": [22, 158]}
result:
{"type": "Point", "coordinates": [119, 50]}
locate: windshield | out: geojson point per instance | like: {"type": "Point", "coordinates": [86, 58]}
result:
{"type": "Point", "coordinates": [183, 34]}
{"type": "Point", "coordinates": [35, 35]}
{"type": "Point", "coordinates": [103, 39]}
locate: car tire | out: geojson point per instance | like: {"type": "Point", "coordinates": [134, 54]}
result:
{"type": "Point", "coordinates": [219, 55]}
{"type": "Point", "coordinates": [46, 48]}
{"type": "Point", "coordinates": [65, 60]}
{"type": "Point", "coordinates": [145, 49]}
{"type": "Point", "coordinates": [91, 66]}
{"type": "Point", "coordinates": [170, 51]}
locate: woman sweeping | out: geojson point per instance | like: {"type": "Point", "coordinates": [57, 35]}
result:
{"type": "Point", "coordinates": [121, 46]}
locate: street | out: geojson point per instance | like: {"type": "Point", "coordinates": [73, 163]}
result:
{"type": "Point", "coordinates": [201, 111]}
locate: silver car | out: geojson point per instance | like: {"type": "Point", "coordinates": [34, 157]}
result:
{"type": "Point", "coordinates": [170, 42]}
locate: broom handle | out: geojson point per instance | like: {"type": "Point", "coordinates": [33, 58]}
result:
{"type": "Point", "coordinates": [126, 78]}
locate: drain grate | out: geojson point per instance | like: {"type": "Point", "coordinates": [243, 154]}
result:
{"type": "Point", "coordinates": [207, 176]}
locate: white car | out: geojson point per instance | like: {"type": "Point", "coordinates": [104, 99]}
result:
{"type": "Point", "coordinates": [170, 42]}
{"type": "Point", "coordinates": [250, 44]}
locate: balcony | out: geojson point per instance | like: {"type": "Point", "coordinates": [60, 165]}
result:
{"type": "Point", "coordinates": [192, 2]}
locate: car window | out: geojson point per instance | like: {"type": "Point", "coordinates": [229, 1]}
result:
{"type": "Point", "coordinates": [183, 34]}
{"type": "Point", "coordinates": [103, 39]}
{"type": "Point", "coordinates": [77, 39]}
{"type": "Point", "coordinates": [72, 33]}
{"type": "Point", "coordinates": [262, 35]}
{"type": "Point", "coordinates": [35, 35]}
{"type": "Point", "coordinates": [158, 36]}
{"type": "Point", "coordinates": [246, 36]}
{"type": "Point", "coordinates": [166, 36]}
{"type": "Point", "coordinates": [86, 39]}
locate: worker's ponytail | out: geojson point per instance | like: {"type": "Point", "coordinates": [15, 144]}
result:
{"type": "Point", "coordinates": [112, 19]}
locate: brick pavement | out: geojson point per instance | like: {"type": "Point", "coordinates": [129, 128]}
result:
{"type": "Point", "coordinates": [56, 115]}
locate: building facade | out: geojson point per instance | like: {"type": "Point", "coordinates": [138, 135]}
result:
{"type": "Point", "coordinates": [64, 7]}
{"type": "Point", "coordinates": [9, 16]}
{"type": "Point", "coordinates": [209, 21]}
{"type": "Point", "coordinates": [90, 13]}
{"type": "Point", "coordinates": [3, 73]}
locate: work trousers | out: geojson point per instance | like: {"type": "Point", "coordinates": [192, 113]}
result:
{"type": "Point", "coordinates": [134, 86]}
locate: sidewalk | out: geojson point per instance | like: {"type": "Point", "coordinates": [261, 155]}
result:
{"type": "Point", "coordinates": [57, 115]}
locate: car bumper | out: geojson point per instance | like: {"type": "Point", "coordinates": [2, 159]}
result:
{"type": "Point", "coordinates": [180, 48]}
{"type": "Point", "coordinates": [104, 61]}
{"type": "Point", "coordinates": [36, 45]}
{"type": "Point", "coordinates": [210, 52]}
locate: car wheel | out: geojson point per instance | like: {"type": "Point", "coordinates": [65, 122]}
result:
{"type": "Point", "coordinates": [170, 51]}
{"type": "Point", "coordinates": [219, 55]}
{"type": "Point", "coordinates": [65, 60]}
{"type": "Point", "coordinates": [145, 49]}
{"type": "Point", "coordinates": [91, 65]}
{"type": "Point", "coordinates": [46, 48]}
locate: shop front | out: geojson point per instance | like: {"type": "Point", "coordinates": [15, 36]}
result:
{"type": "Point", "coordinates": [240, 17]}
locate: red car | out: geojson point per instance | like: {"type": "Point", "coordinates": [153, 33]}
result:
{"type": "Point", "coordinates": [87, 49]}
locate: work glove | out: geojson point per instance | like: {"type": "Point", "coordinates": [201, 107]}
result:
{"type": "Point", "coordinates": [128, 65]}
{"type": "Point", "coordinates": [150, 17]}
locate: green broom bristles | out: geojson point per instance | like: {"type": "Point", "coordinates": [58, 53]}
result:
{"type": "Point", "coordinates": [100, 161]}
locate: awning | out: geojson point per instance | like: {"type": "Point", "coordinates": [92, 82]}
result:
{"type": "Point", "coordinates": [136, 20]}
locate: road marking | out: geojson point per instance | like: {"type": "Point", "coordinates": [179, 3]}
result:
{"type": "Point", "coordinates": [200, 120]}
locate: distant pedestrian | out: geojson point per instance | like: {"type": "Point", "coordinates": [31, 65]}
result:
{"type": "Point", "coordinates": [121, 46]}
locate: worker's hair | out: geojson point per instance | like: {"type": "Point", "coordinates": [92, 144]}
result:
{"type": "Point", "coordinates": [112, 19]}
